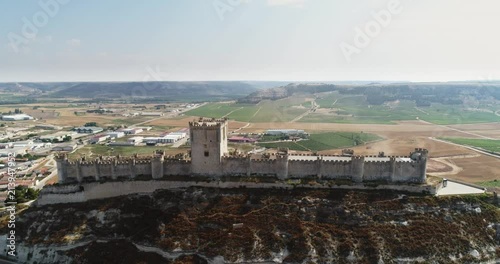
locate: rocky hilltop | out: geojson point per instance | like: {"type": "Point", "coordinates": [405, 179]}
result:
{"type": "Point", "coordinates": [201, 225]}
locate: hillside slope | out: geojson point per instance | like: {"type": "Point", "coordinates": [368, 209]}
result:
{"type": "Point", "coordinates": [299, 226]}
{"type": "Point", "coordinates": [169, 90]}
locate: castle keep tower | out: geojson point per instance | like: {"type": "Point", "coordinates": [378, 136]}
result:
{"type": "Point", "coordinates": [208, 145]}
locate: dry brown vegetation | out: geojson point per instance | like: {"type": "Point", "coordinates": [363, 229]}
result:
{"type": "Point", "coordinates": [322, 225]}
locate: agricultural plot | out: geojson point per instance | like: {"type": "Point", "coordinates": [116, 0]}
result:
{"type": "Point", "coordinates": [494, 183]}
{"type": "Point", "coordinates": [354, 109]}
{"type": "Point", "coordinates": [325, 141]}
{"type": "Point", "coordinates": [214, 110]}
{"type": "Point", "coordinates": [336, 108]}
{"type": "Point", "coordinates": [486, 144]}
{"type": "Point", "coordinates": [451, 115]}
{"type": "Point", "coordinates": [283, 110]}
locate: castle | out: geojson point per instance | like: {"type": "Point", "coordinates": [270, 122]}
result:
{"type": "Point", "coordinates": [210, 158]}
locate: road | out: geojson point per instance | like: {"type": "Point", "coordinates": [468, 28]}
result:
{"type": "Point", "coordinates": [471, 148]}
{"type": "Point", "coordinates": [168, 116]}
{"type": "Point", "coordinates": [226, 115]}
{"type": "Point", "coordinates": [180, 142]}
{"type": "Point", "coordinates": [458, 130]}
{"type": "Point", "coordinates": [245, 126]}
{"type": "Point", "coordinates": [314, 106]}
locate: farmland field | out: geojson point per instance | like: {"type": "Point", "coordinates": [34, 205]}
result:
{"type": "Point", "coordinates": [351, 109]}
{"type": "Point", "coordinates": [325, 141]}
{"type": "Point", "coordinates": [336, 108]}
{"type": "Point", "coordinates": [283, 110]}
{"type": "Point", "coordinates": [487, 144]}
{"type": "Point", "coordinates": [494, 183]}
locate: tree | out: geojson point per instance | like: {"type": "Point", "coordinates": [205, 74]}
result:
{"type": "Point", "coordinates": [90, 124]}
{"type": "Point", "coordinates": [22, 194]}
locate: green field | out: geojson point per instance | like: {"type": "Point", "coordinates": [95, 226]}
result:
{"type": "Point", "coordinates": [283, 110]}
{"type": "Point", "coordinates": [486, 144]}
{"type": "Point", "coordinates": [354, 109]}
{"type": "Point", "coordinates": [325, 141]}
{"type": "Point", "coordinates": [494, 183]}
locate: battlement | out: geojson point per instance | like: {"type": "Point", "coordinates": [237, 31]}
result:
{"type": "Point", "coordinates": [235, 158]}
{"type": "Point", "coordinates": [209, 157]}
{"type": "Point", "coordinates": [422, 150]}
{"type": "Point", "coordinates": [208, 123]}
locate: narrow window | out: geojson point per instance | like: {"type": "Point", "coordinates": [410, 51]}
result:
{"type": "Point", "coordinates": [206, 153]}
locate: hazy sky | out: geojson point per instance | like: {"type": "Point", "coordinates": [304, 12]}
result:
{"type": "Point", "coordinates": [292, 40]}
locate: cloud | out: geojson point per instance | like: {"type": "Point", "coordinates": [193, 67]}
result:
{"type": "Point", "coordinates": [292, 3]}
{"type": "Point", "coordinates": [73, 42]}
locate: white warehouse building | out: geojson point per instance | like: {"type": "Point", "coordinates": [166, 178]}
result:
{"type": "Point", "coordinates": [17, 117]}
{"type": "Point", "coordinates": [116, 134]}
{"type": "Point", "coordinates": [285, 132]}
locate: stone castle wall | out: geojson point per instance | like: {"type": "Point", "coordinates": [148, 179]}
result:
{"type": "Point", "coordinates": [210, 158]}
{"type": "Point", "coordinates": [76, 193]}
{"type": "Point", "coordinates": [356, 169]}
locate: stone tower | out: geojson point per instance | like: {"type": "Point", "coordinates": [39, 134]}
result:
{"type": "Point", "coordinates": [421, 155]}
{"type": "Point", "coordinates": [61, 161]}
{"type": "Point", "coordinates": [208, 145]}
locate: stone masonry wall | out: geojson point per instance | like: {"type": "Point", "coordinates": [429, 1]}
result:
{"type": "Point", "coordinates": [390, 171]}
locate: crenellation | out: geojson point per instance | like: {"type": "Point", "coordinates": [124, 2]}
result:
{"type": "Point", "coordinates": [209, 157]}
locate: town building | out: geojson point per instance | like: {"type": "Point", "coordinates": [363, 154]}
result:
{"type": "Point", "coordinates": [98, 139]}
{"type": "Point", "coordinates": [68, 147]}
{"type": "Point", "coordinates": [135, 140]}
{"type": "Point", "coordinates": [131, 131]}
{"type": "Point", "coordinates": [116, 134]}
{"type": "Point", "coordinates": [58, 136]}
{"type": "Point", "coordinates": [235, 139]}
{"type": "Point", "coordinates": [288, 132]}
{"type": "Point", "coordinates": [17, 117]}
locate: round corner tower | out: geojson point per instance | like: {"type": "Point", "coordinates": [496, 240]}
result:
{"type": "Point", "coordinates": [208, 144]}
{"type": "Point", "coordinates": [61, 162]}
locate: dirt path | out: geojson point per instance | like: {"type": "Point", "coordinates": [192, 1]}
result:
{"type": "Point", "coordinates": [313, 107]}
{"type": "Point", "coordinates": [240, 128]}
{"type": "Point", "coordinates": [467, 147]}
{"type": "Point", "coordinates": [418, 109]}
{"type": "Point", "coordinates": [255, 113]}
{"type": "Point", "coordinates": [457, 130]}
{"type": "Point", "coordinates": [449, 161]}
{"type": "Point", "coordinates": [166, 116]}
{"type": "Point", "coordinates": [231, 112]}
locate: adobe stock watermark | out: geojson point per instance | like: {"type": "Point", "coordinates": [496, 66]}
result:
{"type": "Point", "coordinates": [150, 83]}
{"type": "Point", "coordinates": [10, 205]}
{"type": "Point", "coordinates": [371, 29]}
{"type": "Point", "coordinates": [224, 6]}
{"type": "Point", "coordinates": [30, 27]}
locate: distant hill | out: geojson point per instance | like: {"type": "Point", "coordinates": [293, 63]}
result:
{"type": "Point", "coordinates": [134, 91]}
{"type": "Point", "coordinates": [168, 90]}
{"type": "Point", "coordinates": [422, 93]}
